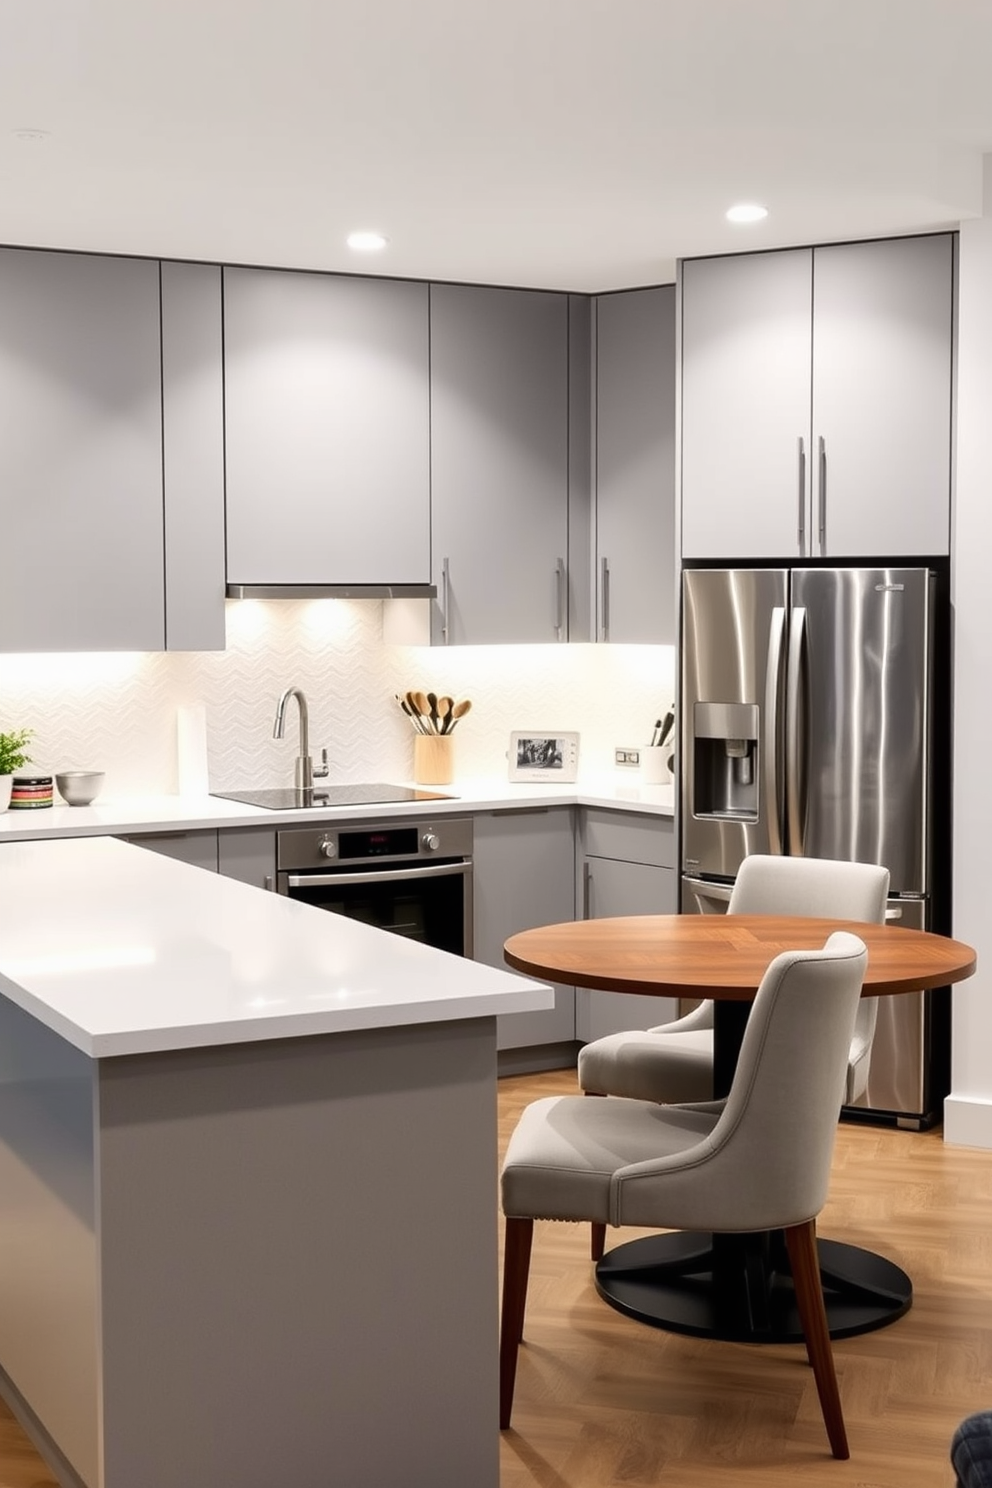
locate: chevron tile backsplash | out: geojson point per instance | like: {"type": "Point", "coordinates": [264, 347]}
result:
{"type": "Point", "coordinates": [117, 712]}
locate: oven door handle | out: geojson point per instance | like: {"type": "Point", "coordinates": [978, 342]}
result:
{"type": "Point", "coordinates": [390, 875]}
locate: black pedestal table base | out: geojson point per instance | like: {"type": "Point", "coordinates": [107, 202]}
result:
{"type": "Point", "coordinates": [739, 1287]}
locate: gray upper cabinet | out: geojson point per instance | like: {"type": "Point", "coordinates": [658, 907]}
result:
{"type": "Point", "coordinates": [881, 474]}
{"type": "Point", "coordinates": [816, 402]}
{"type": "Point", "coordinates": [82, 561]}
{"type": "Point", "coordinates": [499, 464]}
{"type": "Point", "coordinates": [193, 456]}
{"type": "Point", "coordinates": [326, 429]}
{"type": "Point", "coordinates": [635, 367]}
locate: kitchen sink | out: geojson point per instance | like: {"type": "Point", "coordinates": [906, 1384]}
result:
{"type": "Point", "coordinates": [285, 798]}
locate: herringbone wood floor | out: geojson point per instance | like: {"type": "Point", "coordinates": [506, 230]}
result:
{"type": "Point", "coordinates": [602, 1401]}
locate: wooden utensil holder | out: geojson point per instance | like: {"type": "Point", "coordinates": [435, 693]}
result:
{"type": "Point", "coordinates": [433, 759]}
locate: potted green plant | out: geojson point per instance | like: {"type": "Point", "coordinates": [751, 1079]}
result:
{"type": "Point", "coordinates": [13, 757]}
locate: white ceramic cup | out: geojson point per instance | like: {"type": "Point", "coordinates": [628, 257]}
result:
{"type": "Point", "coordinates": [655, 769]}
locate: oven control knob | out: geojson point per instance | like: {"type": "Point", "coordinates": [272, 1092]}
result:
{"type": "Point", "coordinates": [328, 847]}
{"type": "Point", "coordinates": [430, 842]}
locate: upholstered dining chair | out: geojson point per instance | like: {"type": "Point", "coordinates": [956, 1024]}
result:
{"type": "Point", "coordinates": [674, 1061]}
{"type": "Point", "coordinates": [757, 1160]}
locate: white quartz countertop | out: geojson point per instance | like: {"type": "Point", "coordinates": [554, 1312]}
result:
{"type": "Point", "coordinates": [122, 951]}
{"type": "Point", "coordinates": [192, 813]}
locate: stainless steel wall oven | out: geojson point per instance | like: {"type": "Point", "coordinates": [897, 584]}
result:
{"type": "Point", "coordinates": [411, 877]}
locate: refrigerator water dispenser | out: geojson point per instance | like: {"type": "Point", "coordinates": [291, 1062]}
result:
{"type": "Point", "coordinates": [725, 760]}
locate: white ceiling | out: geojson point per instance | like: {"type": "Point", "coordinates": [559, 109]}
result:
{"type": "Point", "coordinates": [572, 144]}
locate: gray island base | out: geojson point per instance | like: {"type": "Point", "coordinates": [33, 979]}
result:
{"type": "Point", "coordinates": [256, 1264]}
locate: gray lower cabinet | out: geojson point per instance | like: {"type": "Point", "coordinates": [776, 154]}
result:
{"type": "Point", "coordinates": [245, 853]}
{"type": "Point", "coordinates": [249, 855]}
{"type": "Point", "coordinates": [199, 848]}
{"type": "Point", "coordinates": [627, 868]}
{"type": "Point", "coordinates": [634, 465]}
{"type": "Point", "coordinates": [499, 464]}
{"type": "Point", "coordinates": [524, 871]}
{"type": "Point", "coordinates": [327, 429]}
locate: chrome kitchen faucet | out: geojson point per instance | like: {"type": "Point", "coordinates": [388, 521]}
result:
{"type": "Point", "coordinates": [304, 772]}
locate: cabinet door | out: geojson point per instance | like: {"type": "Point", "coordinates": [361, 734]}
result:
{"type": "Point", "coordinates": [327, 429]}
{"type": "Point", "coordinates": [193, 455]}
{"type": "Point", "coordinates": [82, 557]}
{"type": "Point", "coordinates": [199, 849]}
{"type": "Point", "coordinates": [746, 349]}
{"type": "Point", "coordinates": [628, 868]}
{"type": "Point", "coordinates": [635, 465]}
{"type": "Point", "coordinates": [248, 854]}
{"type": "Point", "coordinates": [524, 870]}
{"type": "Point", "coordinates": [499, 464]}
{"type": "Point", "coordinates": [882, 397]}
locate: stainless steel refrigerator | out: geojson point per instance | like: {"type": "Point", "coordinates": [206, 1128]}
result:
{"type": "Point", "coordinates": [808, 726]}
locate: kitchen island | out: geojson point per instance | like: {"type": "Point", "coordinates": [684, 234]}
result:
{"type": "Point", "coordinates": [247, 1166]}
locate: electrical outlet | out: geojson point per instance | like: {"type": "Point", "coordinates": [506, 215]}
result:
{"type": "Point", "coordinates": [627, 757]}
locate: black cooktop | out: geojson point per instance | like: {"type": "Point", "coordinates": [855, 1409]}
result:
{"type": "Point", "coordinates": [287, 799]}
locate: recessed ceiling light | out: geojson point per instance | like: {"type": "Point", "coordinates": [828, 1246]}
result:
{"type": "Point", "coordinates": [31, 136]}
{"type": "Point", "coordinates": [366, 242]}
{"type": "Point", "coordinates": [747, 212]}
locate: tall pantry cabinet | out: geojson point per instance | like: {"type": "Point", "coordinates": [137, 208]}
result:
{"type": "Point", "coordinates": [816, 401]}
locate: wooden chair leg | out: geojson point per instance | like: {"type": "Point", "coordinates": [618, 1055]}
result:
{"type": "Point", "coordinates": [597, 1232]}
{"type": "Point", "coordinates": [801, 1243]}
{"type": "Point", "coordinates": [516, 1270]}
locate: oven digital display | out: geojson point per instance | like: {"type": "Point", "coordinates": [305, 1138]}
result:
{"type": "Point", "coordinates": [398, 842]}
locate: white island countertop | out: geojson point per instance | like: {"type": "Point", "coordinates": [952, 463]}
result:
{"type": "Point", "coordinates": [122, 951]}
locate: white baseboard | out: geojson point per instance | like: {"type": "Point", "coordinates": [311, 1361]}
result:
{"type": "Point", "coordinates": [968, 1121]}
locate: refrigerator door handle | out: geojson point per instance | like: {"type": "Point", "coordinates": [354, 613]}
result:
{"type": "Point", "coordinates": [704, 891]}
{"type": "Point", "coordinates": [823, 497]}
{"type": "Point", "coordinates": [793, 741]}
{"type": "Point", "coordinates": [773, 692]}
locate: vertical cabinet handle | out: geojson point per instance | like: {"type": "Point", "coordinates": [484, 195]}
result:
{"type": "Point", "coordinates": [823, 497]}
{"type": "Point", "coordinates": [604, 592]}
{"type": "Point", "coordinates": [802, 497]}
{"type": "Point", "coordinates": [586, 889]}
{"type": "Point", "coordinates": [560, 588]}
{"type": "Point", "coordinates": [445, 595]}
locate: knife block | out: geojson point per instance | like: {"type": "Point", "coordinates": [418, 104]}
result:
{"type": "Point", "coordinates": [433, 759]}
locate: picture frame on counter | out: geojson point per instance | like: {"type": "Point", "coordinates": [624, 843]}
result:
{"type": "Point", "coordinates": [541, 758]}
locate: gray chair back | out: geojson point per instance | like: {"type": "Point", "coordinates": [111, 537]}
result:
{"type": "Point", "coordinates": [766, 1163]}
{"type": "Point", "coordinates": [810, 886]}
{"type": "Point", "coordinates": [820, 886]}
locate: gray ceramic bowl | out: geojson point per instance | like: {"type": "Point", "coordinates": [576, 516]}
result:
{"type": "Point", "coordinates": [79, 787]}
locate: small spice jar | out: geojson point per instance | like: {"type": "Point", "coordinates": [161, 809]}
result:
{"type": "Point", "coordinates": [29, 792]}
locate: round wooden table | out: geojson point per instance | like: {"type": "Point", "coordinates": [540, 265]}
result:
{"type": "Point", "coordinates": [734, 1286]}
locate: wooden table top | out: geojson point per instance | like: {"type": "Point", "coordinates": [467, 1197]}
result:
{"type": "Point", "coordinates": [724, 956]}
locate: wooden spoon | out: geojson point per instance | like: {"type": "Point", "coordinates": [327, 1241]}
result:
{"type": "Point", "coordinates": [458, 711]}
{"type": "Point", "coordinates": [444, 707]}
{"type": "Point", "coordinates": [423, 707]}
{"type": "Point", "coordinates": [410, 712]}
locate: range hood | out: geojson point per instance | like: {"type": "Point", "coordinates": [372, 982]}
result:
{"type": "Point", "coordinates": [331, 591]}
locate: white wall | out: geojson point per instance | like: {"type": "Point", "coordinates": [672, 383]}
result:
{"type": "Point", "coordinates": [118, 712]}
{"type": "Point", "coordinates": [968, 1111]}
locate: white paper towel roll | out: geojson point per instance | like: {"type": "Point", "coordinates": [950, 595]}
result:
{"type": "Point", "coordinates": [191, 739]}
